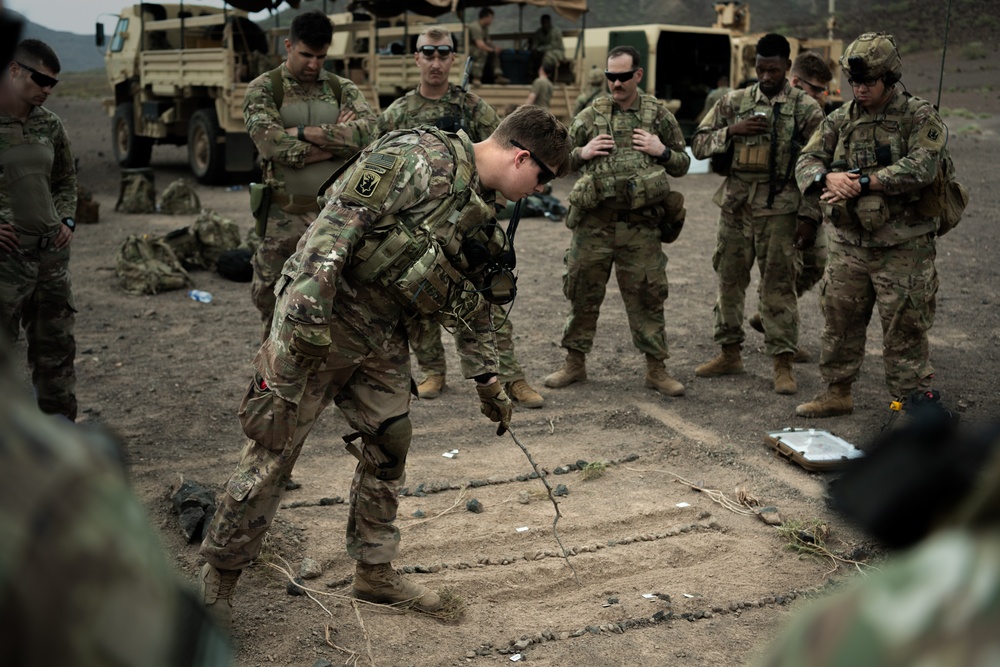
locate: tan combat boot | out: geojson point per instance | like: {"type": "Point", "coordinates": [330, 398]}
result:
{"type": "Point", "coordinates": [836, 400]}
{"type": "Point", "coordinates": [728, 362]}
{"type": "Point", "coordinates": [216, 594]}
{"type": "Point", "coordinates": [380, 583]}
{"type": "Point", "coordinates": [521, 391]}
{"type": "Point", "coordinates": [431, 387]}
{"type": "Point", "coordinates": [784, 382]}
{"type": "Point", "coordinates": [573, 370]}
{"type": "Point", "coordinates": [657, 378]}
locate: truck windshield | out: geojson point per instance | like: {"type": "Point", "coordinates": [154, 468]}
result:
{"type": "Point", "coordinates": [118, 41]}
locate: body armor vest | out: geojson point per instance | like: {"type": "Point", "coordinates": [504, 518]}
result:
{"type": "Point", "coordinates": [420, 259]}
{"type": "Point", "coordinates": [752, 159]}
{"type": "Point", "coordinates": [611, 173]}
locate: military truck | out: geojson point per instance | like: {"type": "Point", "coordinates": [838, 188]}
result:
{"type": "Point", "coordinates": [178, 73]}
{"type": "Point", "coordinates": [682, 63]}
{"type": "Point", "coordinates": [382, 42]}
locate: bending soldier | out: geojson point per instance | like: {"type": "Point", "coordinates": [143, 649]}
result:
{"type": "Point", "coordinates": [401, 233]}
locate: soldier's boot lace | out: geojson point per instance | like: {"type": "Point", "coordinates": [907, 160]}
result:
{"type": "Point", "coordinates": [835, 401]}
{"type": "Point", "coordinates": [574, 369]}
{"type": "Point", "coordinates": [380, 583]}
{"type": "Point", "coordinates": [784, 381]}
{"type": "Point", "coordinates": [657, 378]}
{"type": "Point", "coordinates": [216, 587]}
{"type": "Point", "coordinates": [431, 387]}
{"type": "Point", "coordinates": [521, 391]}
{"type": "Point", "coordinates": [728, 362]}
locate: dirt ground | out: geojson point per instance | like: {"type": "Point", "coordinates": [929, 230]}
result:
{"type": "Point", "coordinates": [167, 374]}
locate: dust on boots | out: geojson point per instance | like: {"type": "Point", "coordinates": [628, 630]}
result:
{"type": "Point", "coordinates": [216, 587]}
{"type": "Point", "coordinates": [833, 402]}
{"type": "Point", "coordinates": [382, 584]}
{"type": "Point", "coordinates": [728, 362]}
{"type": "Point", "coordinates": [574, 369]}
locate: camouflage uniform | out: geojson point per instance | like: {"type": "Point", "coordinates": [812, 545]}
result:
{"type": "Point", "coordinates": [548, 44]}
{"type": "Point", "coordinates": [892, 264]}
{"type": "Point", "coordinates": [935, 606]}
{"type": "Point", "coordinates": [479, 32]}
{"type": "Point", "coordinates": [478, 119]}
{"type": "Point", "coordinates": [750, 227]}
{"type": "Point", "coordinates": [611, 233]}
{"type": "Point", "coordinates": [37, 191]}
{"type": "Point", "coordinates": [283, 158]}
{"type": "Point", "coordinates": [339, 337]}
{"type": "Point", "coordinates": [542, 88]}
{"type": "Point", "coordinates": [84, 579]}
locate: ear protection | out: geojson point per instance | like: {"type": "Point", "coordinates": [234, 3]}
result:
{"type": "Point", "coordinates": [493, 272]}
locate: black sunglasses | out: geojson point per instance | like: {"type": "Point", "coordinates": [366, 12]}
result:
{"type": "Point", "coordinates": [43, 80]}
{"type": "Point", "coordinates": [428, 50]}
{"type": "Point", "coordinates": [544, 174]}
{"type": "Point", "coordinates": [868, 83]}
{"type": "Point", "coordinates": [816, 90]}
{"type": "Point", "coordinates": [620, 76]}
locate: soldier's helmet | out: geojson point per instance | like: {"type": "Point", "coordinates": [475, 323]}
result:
{"type": "Point", "coordinates": [873, 55]}
{"type": "Point", "coordinates": [595, 77]}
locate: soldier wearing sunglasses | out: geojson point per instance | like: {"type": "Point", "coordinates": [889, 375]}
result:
{"type": "Point", "coordinates": [625, 146]}
{"type": "Point", "coordinates": [37, 204]}
{"type": "Point", "coordinates": [437, 102]}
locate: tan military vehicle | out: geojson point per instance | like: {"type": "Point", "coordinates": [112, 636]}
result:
{"type": "Point", "coordinates": [178, 73]}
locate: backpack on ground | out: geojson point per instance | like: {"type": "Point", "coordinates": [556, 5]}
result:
{"type": "Point", "coordinates": [88, 209]}
{"type": "Point", "coordinates": [137, 194]}
{"type": "Point", "coordinates": [147, 265]}
{"type": "Point", "coordinates": [180, 199]}
{"type": "Point", "coordinates": [215, 235]}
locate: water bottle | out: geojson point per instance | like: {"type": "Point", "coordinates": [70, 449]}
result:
{"type": "Point", "coordinates": [200, 295]}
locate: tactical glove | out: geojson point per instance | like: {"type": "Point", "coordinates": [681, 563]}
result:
{"type": "Point", "coordinates": [495, 404]}
{"type": "Point", "coordinates": [805, 234]}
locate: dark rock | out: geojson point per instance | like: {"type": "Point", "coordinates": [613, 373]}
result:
{"type": "Point", "coordinates": [659, 616]}
{"type": "Point", "coordinates": [630, 458]}
{"type": "Point", "coordinates": [533, 475]}
{"type": "Point", "coordinates": [336, 500]}
{"type": "Point", "coordinates": [474, 506]}
{"type": "Point", "coordinates": [292, 485]}
{"type": "Point", "coordinates": [581, 464]}
{"type": "Point", "coordinates": [560, 471]}
{"type": "Point", "coordinates": [593, 629]}
{"type": "Point", "coordinates": [612, 600]}
{"type": "Point", "coordinates": [294, 587]}
{"type": "Point", "coordinates": [322, 662]}
{"type": "Point", "coordinates": [663, 596]}
{"type": "Point", "coordinates": [561, 490]}
{"type": "Point", "coordinates": [522, 478]}
{"type": "Point", "coordinates": [476, 483]}
{"type": "Point", "coordinates": [191, 521]}
{"type": "Point", "coordinates": [420, 514]}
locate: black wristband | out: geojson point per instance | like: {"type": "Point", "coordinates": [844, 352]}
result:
{"type": "Point", "coordinates": [71, 223]}
{"type": "Point", "coordinates": [302, 132]}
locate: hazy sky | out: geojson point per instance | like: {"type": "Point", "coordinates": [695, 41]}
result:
{"type": "Point", "coordinates": [79, 16]}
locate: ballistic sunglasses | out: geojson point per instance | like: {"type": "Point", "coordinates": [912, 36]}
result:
{"type": "Point", "coordinates": [620, 76]}
{"type": "Point", "coordinates": [428, 51]}
{"type": "Point", "coordinates": [816, 90]}
{"type": "Point", "coordinates": [43, 80]}
{"type": "Point", "coordinates": [545, 174]}
{"type": "Point", "coordinates": [867, 83]}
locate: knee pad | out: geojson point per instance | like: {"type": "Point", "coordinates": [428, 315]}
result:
{"type": "Point", "coordinates": [385, 451]}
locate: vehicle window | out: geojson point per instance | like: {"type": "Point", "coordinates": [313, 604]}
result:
{"type": "Point", "coordinates": [118, 41]}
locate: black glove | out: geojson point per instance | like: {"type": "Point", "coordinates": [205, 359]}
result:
{"type": "Point", "coordinates": [805, 234]}
{"type": "Point", "coordinates": [495, 404]}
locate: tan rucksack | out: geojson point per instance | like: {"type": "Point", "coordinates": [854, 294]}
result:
{"type": "Point", "coordinates": [137, 194]}
{"type": "Point", "coordinates": [147, 265]}
{"type": "Point", "coordinates": [180, 199]}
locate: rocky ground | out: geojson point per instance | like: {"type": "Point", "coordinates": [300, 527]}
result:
{"type": "Point", "coordinates": [661, 573]}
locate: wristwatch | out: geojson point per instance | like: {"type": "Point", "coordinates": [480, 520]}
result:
{"type": "Point", "coordinates": [866, 183]}
{"type": "Point", "coordinates": [302, 132]}
{"type": "Point", "coordinates": [71, 223]}
{"type": "Point", "coordinates": [665, 155]}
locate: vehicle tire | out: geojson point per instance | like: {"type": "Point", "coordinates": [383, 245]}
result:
{"type": "Point", "coordinates": [206, 154]}
{"type": "Point", "coordinates": [130, 151]}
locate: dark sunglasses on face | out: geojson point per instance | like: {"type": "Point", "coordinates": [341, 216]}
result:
{"type": "Point", "coordinates": [43, 80]}
{"type": "Point", "coordinates": [544, 173]}
{"type": "Point", "coordinates": [428, 50]}
{"type": "Point", "coordinates": [868, 83]}
{"type": "Point", "coordinates": [620, 76]}
{"type": "Point", "coordinates": [813, 88]}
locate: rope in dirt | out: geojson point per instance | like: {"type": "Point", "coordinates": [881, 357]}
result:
{"type": "Point", "coordinates": [714, 494]}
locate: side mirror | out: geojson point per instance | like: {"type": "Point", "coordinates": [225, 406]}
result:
{"type": "Point", "coordinates": [99, 35]}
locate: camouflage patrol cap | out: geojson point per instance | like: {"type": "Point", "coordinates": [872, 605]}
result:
{"type": "Point", "coordinates": [873, 55]}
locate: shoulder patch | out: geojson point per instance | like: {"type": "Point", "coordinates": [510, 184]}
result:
{"type": "Point", "coordinates": [371, 181]}
{"type": "Point", "coordinates": [932, 135]}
